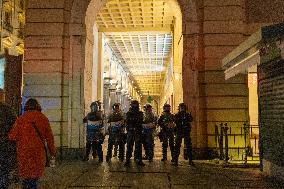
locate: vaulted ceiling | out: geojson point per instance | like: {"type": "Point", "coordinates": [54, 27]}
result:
{"type": "Point", "coordinates": [140, 34]}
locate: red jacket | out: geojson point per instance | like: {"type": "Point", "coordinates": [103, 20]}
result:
{"type": "Point", "coordinates": [30, 150]}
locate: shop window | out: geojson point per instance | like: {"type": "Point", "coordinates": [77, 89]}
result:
{"type": "Point", "coordinates": [2, 71]}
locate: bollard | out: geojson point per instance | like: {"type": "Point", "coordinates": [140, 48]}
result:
{"type": "Point", "coordinates": [226, 128]}
{"type": "Point", "coordinates": [221, 142]}
{"type": "Point", "coordinates": [216, 136]}
{"type": "Point", "coordinates": [246, 133]}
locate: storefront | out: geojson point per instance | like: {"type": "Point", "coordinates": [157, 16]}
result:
{"type": "Point", "coordinates": [11, 80]}
{"type": "Point", "coordinates": [261, 57]}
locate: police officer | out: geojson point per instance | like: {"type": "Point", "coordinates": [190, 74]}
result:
{"type": "Point", "coordinates": [166, 122]}
{"type": "Point", "coordinates": [134, 121]}
{"type": "Point", "coordinates": [183, 121]}
{"type": "Point", "coordinates": [149, 125]}
{"type": "Point", "coordinates": [95, 137]}
{"type": "Point", "coordinates": [116, 132]}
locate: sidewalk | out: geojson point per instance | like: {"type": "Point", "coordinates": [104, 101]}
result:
{"type": "Point", "coordinates": [91, 175]}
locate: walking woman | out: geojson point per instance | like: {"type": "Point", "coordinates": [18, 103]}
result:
{"type": "Point", "coordinates": [31, 131]}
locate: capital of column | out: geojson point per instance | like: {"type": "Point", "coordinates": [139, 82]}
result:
{"type": "Point", "coordinates": [119, 90]}
{"type": "Point", "coordinates": [107, 80]}
{"type": "Point", "coordinates": [112, 87]}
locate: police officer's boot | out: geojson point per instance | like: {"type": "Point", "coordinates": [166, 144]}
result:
{"type": "Point", "coordinates": [164, 157]}
{"type": "Point", "coordinates": [190, 162]}
{"type": "Point", "coordinates": [175, 162]}
{"type": "Point", "coordinates": [140, 163]}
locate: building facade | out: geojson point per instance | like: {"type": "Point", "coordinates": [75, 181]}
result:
{"type": "Point", "coordinates": [11, 50]}
{"type": "Point", "coordinates": [58, 63]}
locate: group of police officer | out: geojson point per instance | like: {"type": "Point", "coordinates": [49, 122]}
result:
{"type": "Point", "coordinates": [137, 128]}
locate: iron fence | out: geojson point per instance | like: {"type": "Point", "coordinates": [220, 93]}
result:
{"type": "Point", "coordinates": [239, 143]}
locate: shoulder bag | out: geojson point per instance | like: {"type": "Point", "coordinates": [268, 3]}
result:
{"type": "Point", "coordinates": [43, 142]}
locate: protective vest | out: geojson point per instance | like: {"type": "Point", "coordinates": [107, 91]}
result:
{"type": "Point", "coordinates": [183, 120]}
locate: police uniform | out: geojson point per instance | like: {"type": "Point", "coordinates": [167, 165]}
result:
{"type": "Point", "coordinates": [166, 121]}
{"type": "Point", "coordinates": [116, 134]}
{"type": "Point", "coordinates": [183, 121]}
{"type": "Point", "coordinates": [94, 135]}
{"type": "Point", "coordinates": [134, 121]}
{"type": "Point", "coordinates": [147, 134]}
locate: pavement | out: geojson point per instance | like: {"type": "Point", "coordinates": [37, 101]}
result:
{"type": "Point", "coordinates": [155, 175]}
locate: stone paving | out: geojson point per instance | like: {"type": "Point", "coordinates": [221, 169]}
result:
{"type": "Point", "coordinates": [88, 175]}
{"type": "Point", "coordinates": [157, 174]}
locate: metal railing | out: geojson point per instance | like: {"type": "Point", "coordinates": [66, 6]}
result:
{"type": "Point", "coordinates": [228, 143]}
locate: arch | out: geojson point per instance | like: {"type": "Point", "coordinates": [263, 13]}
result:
{"type": "Point", "coordinates": [58, 60]}
{"type": "Point", "coordinates": [85, 11]}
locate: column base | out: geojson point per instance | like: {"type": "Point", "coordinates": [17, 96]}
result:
{"type": "Point", "coordinates": [70, 153]}
{"type": "Point", "coordinates": [203, 153]}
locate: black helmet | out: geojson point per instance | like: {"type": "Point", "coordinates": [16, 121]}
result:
{"type": "Point", "coordinates": [94, 106]}
{"type": "Point", "coordinates": [182, 105]}
{"type": "Point", "coordinates": [134, 104]}
{"type": "Point", "coordinates": [115, 105]}
{"type": "Point", "coordinates": [167, 107]}
{"type": "Point", "coordinates": [146, 106]}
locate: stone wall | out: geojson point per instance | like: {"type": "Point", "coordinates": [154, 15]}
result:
{"type": "Point", "coordinates": [214, 30]}
{"type": "Point", "coordinates": [270, 76]}
{"type": "Point", "coordinates": [264, 11]}
{"type": "Point", "coordinates": [45, 75]}
{"type": "Point", "coordinates": [226, 101]}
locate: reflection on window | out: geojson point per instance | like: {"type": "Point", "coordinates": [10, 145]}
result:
{"type": "Point", "coordinates": [2, 70]}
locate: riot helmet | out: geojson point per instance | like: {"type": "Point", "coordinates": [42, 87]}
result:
{"type": "Point", "coordinates": [116, 107]}
{"type": "Point", "coordinates": [94, 107]}
{"type": "Point", "coordinates": [134, 105]}
{"type": "Point", "coordinates": [167, 108]}
{"type": "Point", "coordinates": [182, 107]}
{"type": "Point", "coordinates": [148, 107]}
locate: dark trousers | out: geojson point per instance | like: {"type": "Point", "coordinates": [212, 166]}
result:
{"type": "Point", "coordinates": [134, 137]}
{"type": "Point", "coordinates": [113, 140]}
{"type": "Point", "coordinates": [4, 180]}
{"type": "Point", "coordinates": [96, 148]}
{"type": "Point", "coordinates": [168, 140]}
{"type": "Point", "coordinates": [185, 134]}
{"type": "Point", "coordinates": [30, 183]}
{"type": "Point", "coordinates": [148, 144]}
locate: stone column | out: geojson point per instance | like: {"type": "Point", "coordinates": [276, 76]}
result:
{"type": "Point", "coordinates": [118, 95]}
{"type": "Point", "coordinates": [106, 95]}
{"type": "Point", "coordinates": [100, 67]}
{"type": "Point", "coordinates": [45, 66]}
{"type": "Point", "coordinates": [112, 96]}
{"type": "Point", "coordinates": [123, 100]}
